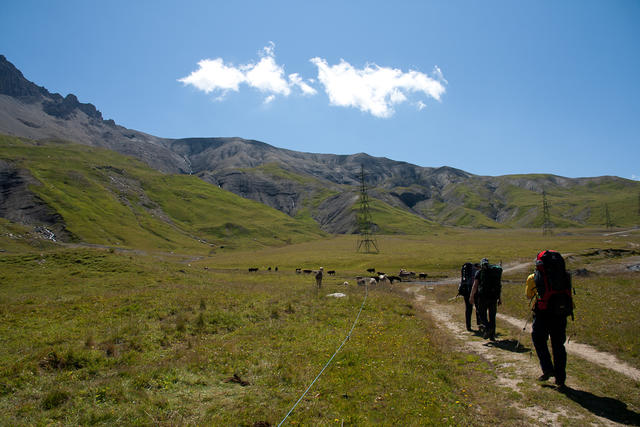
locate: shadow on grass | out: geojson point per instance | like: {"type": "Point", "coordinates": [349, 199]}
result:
{"type": "Point", "coordinates": [512, 345]}
{"type": "Point", "coordinates": [606, 407]}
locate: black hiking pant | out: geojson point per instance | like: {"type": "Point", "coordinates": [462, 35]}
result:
{"type": "Point", "coordinates": [488, 307]}
{"type": "Point", "coordinates": [468, 311]}
{"type": "Point", "coordinates": [547, 325]}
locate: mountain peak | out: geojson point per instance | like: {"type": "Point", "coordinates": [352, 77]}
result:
{"type": "Point", "coordinates": [13, 83]}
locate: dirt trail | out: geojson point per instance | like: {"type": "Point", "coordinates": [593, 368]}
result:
{"type": "Point", "coordinates": [606, 360]}
{"type": "Point", "coordinates": [584, 351]}
{"type": "Point", "coordinates": [515, 366]}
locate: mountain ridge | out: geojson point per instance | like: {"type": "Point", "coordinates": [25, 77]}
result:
{"type": "Point", "coordinates": [324, 187]}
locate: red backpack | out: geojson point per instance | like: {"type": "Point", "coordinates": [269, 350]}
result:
{"type": "Point", "coordinates": [553, 284]}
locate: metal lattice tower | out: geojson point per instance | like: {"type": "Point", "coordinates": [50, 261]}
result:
{"type": "Point", "coordinates": [366, 241]}
{"type": "Point", "coordinates": [607, 217]}
{"type": "Point", "coordinates": [546, 217]}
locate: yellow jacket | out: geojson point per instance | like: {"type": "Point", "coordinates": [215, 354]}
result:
{"type": "Point", "coordinates": [531, 286]}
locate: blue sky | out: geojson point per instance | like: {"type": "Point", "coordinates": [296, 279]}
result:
{"type": "Point", "coordinates": [490, 87]}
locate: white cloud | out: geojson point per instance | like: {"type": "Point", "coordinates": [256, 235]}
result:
{"type": "Point", "coordinates": [372, 89]}
{"type": "Point", "coordinates": [296, 80]}
{"type": "Point", "coordinates": [213, 75]}
{"type": "Point", "coordinates": [375, 89]}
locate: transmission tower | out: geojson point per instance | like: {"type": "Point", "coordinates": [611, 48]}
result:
{"type": "Point", "coordinates": [607, 217]}
{"type": "Point", "coordinates": [366, 241]}
{"type": "Point", "coordinates": [546, 217]}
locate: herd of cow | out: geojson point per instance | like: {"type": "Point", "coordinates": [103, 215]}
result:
{"type": "Point", "coordinates": [375, 277]}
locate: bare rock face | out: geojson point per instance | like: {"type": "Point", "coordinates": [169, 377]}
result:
{"type": "Point", "coordinates": [281, 195]}
{"type": "Point", "coordinates": [13, 83]}
{"type": "Point", "coordinates": [20, 205]}
{"type": "Point", "coordinates": [31, 111]}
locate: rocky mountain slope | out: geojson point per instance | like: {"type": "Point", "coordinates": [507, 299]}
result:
{"type": "Point", "coordinates": [324, 187]}
{"type": "Point", "coordinates": [31, 111]}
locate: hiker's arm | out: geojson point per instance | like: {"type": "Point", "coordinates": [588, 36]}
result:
{"type": "Point", "coordinates": [474, 289]}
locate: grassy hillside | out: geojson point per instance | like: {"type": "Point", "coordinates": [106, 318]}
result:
{"type": "Point", "coordinates": [106, 198]}
{"type": "Point", "coordinates": [516, 201]}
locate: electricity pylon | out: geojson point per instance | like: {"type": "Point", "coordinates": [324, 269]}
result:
{"type": "Point", "coordinates": [366, 241]}
{"type": "Point", "coordinates": [546, 217]}
{"type": "Point", "coordinates": [607, 217]}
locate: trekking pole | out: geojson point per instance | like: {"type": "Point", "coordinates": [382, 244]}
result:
{"type": "Point", "coordinates": [524, 328]}
{"type": "Point", "coordinates": [453, 298]}
{"type": "Point", "coordinates": [520, 334]}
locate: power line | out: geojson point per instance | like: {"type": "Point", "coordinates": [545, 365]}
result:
{"type": "Point", "coordinates": [334, 355]}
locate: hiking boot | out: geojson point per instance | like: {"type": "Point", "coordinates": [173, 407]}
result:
{"type": "Point", "coordinates": [545, 376]}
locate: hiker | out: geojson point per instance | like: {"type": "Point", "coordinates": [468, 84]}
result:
{"type": "Point", "coordinates": [486, 289]}
{"type": "Point", "coordinates": [476, 268]}
{"type": "Point", "coordinates": [550, 285]}
{"type": "Point", "coordinates": [319, 278]}
{"type": "Point", "coordinates": [467, 274]}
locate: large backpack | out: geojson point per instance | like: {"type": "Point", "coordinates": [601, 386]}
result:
{"type": "Point", "coordinates": [466, 279]}
{"type": "Point", "coordinates": [489, 282]}
{"type": "Point", "coordinates": [553, 284]}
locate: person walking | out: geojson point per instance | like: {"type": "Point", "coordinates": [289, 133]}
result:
{"type": "Point", "coordinates": [550, 285]}
{"type": "Point", "coordinates": [467, 274]}
{"type": "Point", "coordinates": [487, 287]}
{"type": "Point", "coordinates": [319, 278]}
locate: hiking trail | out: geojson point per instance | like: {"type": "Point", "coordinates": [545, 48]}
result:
{"type": "Point", "coordinates": [516, 367]}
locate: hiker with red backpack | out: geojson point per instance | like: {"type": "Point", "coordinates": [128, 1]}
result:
{"type": "Point", "coordinates": [487, 287]}
{"type": "Point", "coordinates": [550, 285]}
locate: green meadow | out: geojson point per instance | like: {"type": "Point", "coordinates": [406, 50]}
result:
{"type": "Point", "coordinates": [110, 335]}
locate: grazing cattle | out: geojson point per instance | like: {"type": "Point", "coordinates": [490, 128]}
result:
{"type": "Point", "coordinates": [252, 269]}
{"type": "Point", "coordinates": [346, 283]}
{"type": "Point", "coordinates": [394, 279]}
{"type": "Point", "coordinates": [331, 272]}
{"type": "Point", "coordinates": [371, 270]}
{"type": "Point", "coordinates": [404, 274]}
{"type": "Point", "coordinates": [276, 268]}
{"type": "Point", "coordinates": [383, 280]}
{"type": "Point", "coordinates": [372, 281]}
{"type": "Point", "coordinates": [269, 269]}
{"type": "Point", "coordinates": [306, 271]}
{"type": "Point", "coordinates": [422, 275]}
{"type": "Point", "coordinates": [360, 280]}
{"type": "Point", "coordinates": [380, 273]}
{"type": "Point", "coordinates": [298, 270]}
